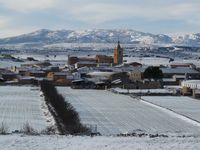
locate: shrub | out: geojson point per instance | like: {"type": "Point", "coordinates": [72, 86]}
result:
{"type": "Point", "coordinates": [3, 129]}
{"type": "Point", "coordinates": [27, 129]}
{"type": "Point", "coordinates": [153, 73]}
{"type": "Point", "coordinates": [49, 130]}
{"type": "Point", "coordinates": [66, 112]}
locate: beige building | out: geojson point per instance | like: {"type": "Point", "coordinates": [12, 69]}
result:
{"type": "Point", "coordinates": [135, 75]}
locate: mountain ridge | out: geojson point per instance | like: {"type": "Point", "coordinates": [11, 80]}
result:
{"type": "Point", "coordinates": [47, 36]}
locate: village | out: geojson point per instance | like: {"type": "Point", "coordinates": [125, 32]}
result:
{"type": "Point", "coordinates": [99, 75]}
{"type": "Point", "coordinates": [108, 72]}
{"type": "Point", "coordinates": [99, 96]}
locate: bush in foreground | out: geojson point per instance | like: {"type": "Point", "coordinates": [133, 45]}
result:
{"type": "Point", "coordinates": [65, 111]}
{"type": "Point", "coordinates": [3, 129]}
{"type": "Point", "coordinates": [28, 130]}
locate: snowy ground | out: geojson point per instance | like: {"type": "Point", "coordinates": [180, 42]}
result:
{"type": "Point", "coordinates": [7, 63]}
{"type": "Point", "coordinates": [182, 105]}
{"type": "Point", "coordinates": [115, 113]}
{"type": "Point", "coordinates": [112, 113]}
{"type": "Point", "coordinates": [156, 61]}
{"type": "Point", "coordinates": [17, 142]}
{"type": "Point", "coordinates": [21, 105]}
{"type": "Point", "coordinates": [148, 60]}
{"type": "Point", "coordinates": [135, 91]}
{"type": "Point", "coordinates": [194, 61]}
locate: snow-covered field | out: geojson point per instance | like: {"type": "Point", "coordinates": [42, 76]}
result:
{"type": "Point", "coordinates": [7, 63]}
{"type": "Point", "coordinates": [134, 91]}
{"type": "Point", "coordinates": [17, 142]}
{"type": "Point", "coordinates": [115, 113]}
{"type": "Point", "coordinates": [112, 113]}
{"type": "Point", "coordinates": [196, 62]}
{"type": "Point", "coordinates": [21, 105]}
{"type": "Point", "coordinates": [42, 57]}
{"type": "Point", "coordinates": [156, 61]}
{"type": "Point", "coordinates": [148, 60]}
{"type": "Point", "coordinates": [182, 105]}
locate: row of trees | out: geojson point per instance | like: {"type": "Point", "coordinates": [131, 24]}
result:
{"type": "Point", "coordinates": [64, 110]}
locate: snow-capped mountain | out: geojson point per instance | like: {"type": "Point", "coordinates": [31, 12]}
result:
{"type": "Point", "coordinates": [45, 37]}
{"type": "Point", "coordinates": [188, 39]}
{"type": "Point", "coordinates": [86, 36]}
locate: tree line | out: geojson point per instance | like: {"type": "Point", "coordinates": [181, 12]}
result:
{"type": "Point", "coordinates": [64, 110]}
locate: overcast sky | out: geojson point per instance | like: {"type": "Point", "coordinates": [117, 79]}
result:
{"type": "Point", "coordinates": [155, 16]}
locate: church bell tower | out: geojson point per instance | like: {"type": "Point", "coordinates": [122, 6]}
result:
{"type": "Point", "coordinates": [118, 54]}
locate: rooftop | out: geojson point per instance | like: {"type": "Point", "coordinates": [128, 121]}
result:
{"type": "Point", "coordinates": [101, 73]}
{"type": "Point", "coordinates": [181, 70]}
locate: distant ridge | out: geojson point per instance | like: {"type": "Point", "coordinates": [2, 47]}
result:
{"type": "Point", "coordinates": [46, 36]}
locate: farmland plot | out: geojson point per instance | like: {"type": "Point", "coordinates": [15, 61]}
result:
{"type": "Point", "coordinates": [21, 105]}
{"type": "Point", "coordinates": [115, 113]}
{"type": "Point", "coordinates": [55, 142]}
{"type": "Point", "coordinates": [182, 105]}
{"type": "Point", "coordinates": [155, 61]}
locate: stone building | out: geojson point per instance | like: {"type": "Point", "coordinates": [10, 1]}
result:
{"type": "Point", "coordinates": [104, 59]}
